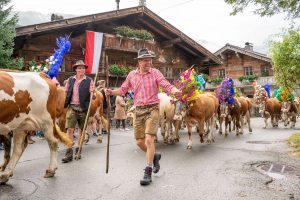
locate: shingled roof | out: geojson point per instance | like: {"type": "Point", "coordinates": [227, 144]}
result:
{"type": "Point", "coordinates": [229, 47]}
{"type": "Point", "coordinates": [141, 17]}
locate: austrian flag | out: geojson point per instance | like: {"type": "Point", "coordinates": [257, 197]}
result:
{"type": "Point", "coordinates": [93, 50]}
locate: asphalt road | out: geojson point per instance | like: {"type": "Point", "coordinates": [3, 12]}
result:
{"type": "Point", "coordinates": [244, 167]}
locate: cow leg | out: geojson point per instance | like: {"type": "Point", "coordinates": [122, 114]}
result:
{"type": "Point", "coordinates": [201, 123]}
{"type": "Point", "coordinates": [220, 128]}
{"type": "Point", "coordinates": [162, 127]}
{"type": "Point", "coordinates": [189, 127]}
{"type": "Point", "coordinates": [177, 128]}
{"type": "Point", "coordinates": [242, 125]}
{"type": "Point", "coordinates": [226, 125]}
{"type": "Point", "coordinates": [248, 121]}
{"type": "Point", "coordinates": [237, 124]}
{"type": "Point", "coordinates": [266, 121]}
{"type": "Point", "coordinates": [53, 145]}
{"type": "Point", "coordinates": [20, 143]}
{"type": "Point", "coordinates": [7, 147]}
{"type": "Point", "coordinates": [210, 123]}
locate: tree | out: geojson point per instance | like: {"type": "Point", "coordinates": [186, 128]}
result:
{"type": "Point", "coordinates": [268, 7]}
{"type": "Point", "coordinates": [285, 56]}
{"type": "Point", "coordinates": [7, 33]}
{"type": "Point", "coordinates": [55, 17]}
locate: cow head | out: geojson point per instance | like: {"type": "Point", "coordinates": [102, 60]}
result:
{"type": "Point", "coordinates": [180, 110]}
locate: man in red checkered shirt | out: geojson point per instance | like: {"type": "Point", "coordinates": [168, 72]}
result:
{"type": "Point", "coordinates": [145, 81]}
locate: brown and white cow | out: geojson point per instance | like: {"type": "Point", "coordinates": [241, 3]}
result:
{"type": "Point", "coordinates": [289, 112]}
{"type": "Point", "coordinates": [268, 107]}
{"type": "Point", "coordinates": [202, 110]}
{"type": "Point", "coordinates": [166, 118]}
{"type": "Point", "coordinates": [28, 103]}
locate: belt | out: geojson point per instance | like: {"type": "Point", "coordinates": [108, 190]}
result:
{"type": "Point", "coordinates": [146, 106]}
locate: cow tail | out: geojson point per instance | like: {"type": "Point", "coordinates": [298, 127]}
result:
{"type": "Point", "coordinates": [62, 136]}
{"type": "Point", "coordinates": [104, 122]}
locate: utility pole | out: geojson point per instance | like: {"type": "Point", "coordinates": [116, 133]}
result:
{"type": "Point", "coordinates": [118, 3]}
{"type": "Point", "coordinates": [142, 3]}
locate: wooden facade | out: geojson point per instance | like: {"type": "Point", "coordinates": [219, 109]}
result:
{"type": "Point", "coordinates": [237, 62]}
{"type": "Point", "coordinates": [174, 50]}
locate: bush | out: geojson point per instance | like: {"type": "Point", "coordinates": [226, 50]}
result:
{"type": "Point", "coordinates": [117, 70]}
{"type": "Point", "coordinates": [294, 141]}
{"type": "Point", "coordinates": [216, 81]}
{"type": "Point", "coordinates": [128, 32]}
{"type": "Point", "coordinates": [249, 78]}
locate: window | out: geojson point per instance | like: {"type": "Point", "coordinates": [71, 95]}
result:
{"type": "Point", "coordinates": [169, 73]}
{"type": "Point", "coordinates": [265, 71]}
{"type": "Point", "coordinates": [248, 71]}
{"type": "Point", "coordinates": [222, 73]}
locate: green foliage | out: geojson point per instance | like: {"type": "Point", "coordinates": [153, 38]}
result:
{"type": "Point", "coordinates": [216, 81]}
{"type": "Point", "coordinates": [265, 73]}
{"type": "Point", "coordinates": [247, 79]}
{"type": "Point", "coordinates": [117, 70]}
{"type": "Point", "coordinates": [7, 34]}
{"type": "Point", "coordinates": [267, 7]}
{"type": "Point", "coordinates": [294, 141]}
{"type": "Point", "coordinates": [128, 32]}
{"type": "Point", "coordinates": [17, 64]}
{"type": "Point", "coordinates": [285, 56]}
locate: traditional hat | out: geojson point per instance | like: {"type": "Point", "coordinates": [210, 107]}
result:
{"type": "Point", "coordinates": [145, 53]}
{"type": "Point", "coordinates": [79, 63]}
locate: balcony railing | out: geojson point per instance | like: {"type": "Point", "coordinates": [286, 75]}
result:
{"type": "Point", "coordinates": [126, 44]}
{"type": "Point", "coordinates": [260, 81]}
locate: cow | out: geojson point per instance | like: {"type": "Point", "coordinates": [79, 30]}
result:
{"type": "Point", "coordinates": [246, 106]}
{"type": "Point", "coordinates": [166, 117]}
{"type": "Point", "coordinates": [201, 110]}
{"type": "Point", "coordinates": [289, 112]}
{"type": "Point", "coordinates": [28, 103]}
{"type": "Point", "coordinates": [268, 107]}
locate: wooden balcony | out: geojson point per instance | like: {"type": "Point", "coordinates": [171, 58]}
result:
{"type": "Point", "coordinates": [237, 83]}
{"type": "Point", "coordinates": [115, 42]}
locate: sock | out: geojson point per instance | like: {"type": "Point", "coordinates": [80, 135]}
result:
{"type": "Point", "coordinates": [150, 165]}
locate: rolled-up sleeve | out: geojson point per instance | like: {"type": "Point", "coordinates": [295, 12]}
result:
{"type": "Point", "coordinates": [163, 82]}
{"type": "Point", "coordinates": [126, 86]}
{"type": "Point", "coordinates": [67, 85]}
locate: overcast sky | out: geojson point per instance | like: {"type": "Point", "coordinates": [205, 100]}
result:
{"type": "Point", "coordinates": [206, 21]}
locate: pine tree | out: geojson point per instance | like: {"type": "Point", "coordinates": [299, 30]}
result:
{"type": "Point", "coordinates": [7, 33]}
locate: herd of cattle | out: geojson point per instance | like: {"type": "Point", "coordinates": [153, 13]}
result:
{"type": "Point", "coordinates": [31, 102]}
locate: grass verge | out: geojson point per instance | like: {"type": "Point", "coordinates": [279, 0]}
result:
{"type": "Point", "coordinates": [294, 141]}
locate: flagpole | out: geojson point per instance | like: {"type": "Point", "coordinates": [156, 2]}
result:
{"type": "Point", "coordinates": [108, 116]}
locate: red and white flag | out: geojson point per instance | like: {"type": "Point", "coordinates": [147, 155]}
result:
{"type": "Point", "coordinates": [93, 50]}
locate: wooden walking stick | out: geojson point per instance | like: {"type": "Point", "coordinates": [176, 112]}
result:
{"type": "Point", "coordinates": [108, 117]}
{"type": "Point", "coordinates": [85, 121]}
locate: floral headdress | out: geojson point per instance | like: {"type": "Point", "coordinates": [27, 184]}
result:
{"type": "Point", "coordinates": [55, 61]}
{"type": "Point", "coordinates": [188, 84]}
{"type": "Point", "coordinates": [284, 94]}
{"type": "Point", "coordinates": [225, 91]}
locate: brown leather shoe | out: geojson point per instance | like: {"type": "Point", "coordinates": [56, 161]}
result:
{"type": "Point", "coordinates": [68, 156]}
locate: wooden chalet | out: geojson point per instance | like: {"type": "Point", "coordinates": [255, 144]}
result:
{"type": "Point", "coordinates": [174, 50]}
{"type": "Point", "coordinates": [238, 62]}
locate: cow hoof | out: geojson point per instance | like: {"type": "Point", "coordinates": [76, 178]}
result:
{"type": "Point", "coordinates": [209, 141]}
{"type": "Point", "coordinates": [99, 141]}
{"type": "Point", "coordinates": [250, 130]}
{"type": "Point", "coordinates": [49, 173]}
{"type": "Point", "coordinates": [220, 133]}
{"type": "Point", "coordinates": [201, 140]}
{"type": "Point", "coordinates": [3, 178]}
{"type": "Point", "coordinates": [189, 147]}
{"type": "Point", "coordinates": [264, 127]}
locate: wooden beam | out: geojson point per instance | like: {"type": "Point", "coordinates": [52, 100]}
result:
{"type": "Point", "coordinates": [155, 29]}
{"type": "Point", "coordinates": [171, 42]}
{"type": "Point", "coordinates": [188, 50]}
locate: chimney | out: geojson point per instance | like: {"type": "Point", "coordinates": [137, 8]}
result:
{"type": "Point", "coordinates": [248, 46]}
